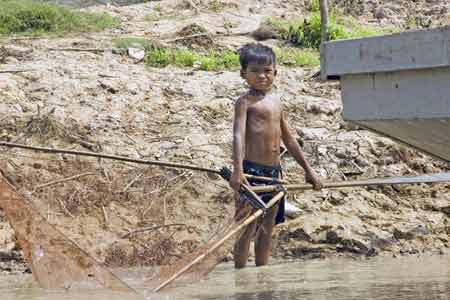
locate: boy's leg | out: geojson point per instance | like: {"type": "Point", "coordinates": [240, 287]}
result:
{"type": "Point", "coordinates": [263, 241]}
{"type": "Point", "coordinates": [242, 246]}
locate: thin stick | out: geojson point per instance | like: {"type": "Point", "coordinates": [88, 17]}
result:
{"type": "Point", "coordinates": [16, 71]}
{"type": "Point", "coordinates": [216, 245]}
{"type": "Point", "coordinates": [95, 50]}
{"type": "Point", "coordinates": [62, 180]}
{"type": "Point", "coordinates": [105, 216]}
{"type": "Point", "coordinates": [187, 37]}
{"type": "Point", "coordinates": [132, 181]}
{"type": "Point", "coordinates": [438, 177]}
{"type": "Point", "coordinates": [65, 208]}
{"type": "Point", "coordinates": [4, 118]}
{"type": "Point", "coordinates": [150, 228]}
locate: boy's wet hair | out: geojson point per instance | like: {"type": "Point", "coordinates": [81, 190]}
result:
{"type": "Point", "coordinates": [256, 53]}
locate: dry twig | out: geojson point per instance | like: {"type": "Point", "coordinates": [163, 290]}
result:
{"type": "Point", "coordinates": [62, 180]}
{"type": "Point", "coordinates": [17, 71]}
{"type": "Point", "coordinates": [150, 228]}
{"type": "Point", "coordinates": [94, 50]}
{"type": "Point", "coordinates": [65, 208]}
{"type": "Point", "coordinates": [132, 181]}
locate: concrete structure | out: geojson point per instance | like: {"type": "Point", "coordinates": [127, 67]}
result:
{"type": "Point", "coordinates": [396, 85]}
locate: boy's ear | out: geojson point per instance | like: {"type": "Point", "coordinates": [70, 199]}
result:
{"type": "Point", "coordinates": [243, 73]}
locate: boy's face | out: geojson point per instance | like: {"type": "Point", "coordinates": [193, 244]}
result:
{"type": "Point", "coordinates": [259, 76]}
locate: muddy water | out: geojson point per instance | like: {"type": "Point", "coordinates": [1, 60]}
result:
{"type": "Point", "coordinates": [409, 278]}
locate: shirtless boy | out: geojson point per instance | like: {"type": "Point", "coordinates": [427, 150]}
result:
{"type": "Point", "coordinates": [259, 127]}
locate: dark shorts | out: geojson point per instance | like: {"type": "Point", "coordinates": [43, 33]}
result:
{"type": "Point", "coordinates": [255, 169]}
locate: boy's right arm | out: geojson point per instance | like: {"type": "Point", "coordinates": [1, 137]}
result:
{"type": "Point", "coordinates": [240, 120]}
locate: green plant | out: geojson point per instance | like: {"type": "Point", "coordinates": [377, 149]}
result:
{"type": "Point", "coordinates": [185, 58]}
{"type": "Point", "coordinates": [158, 58]}
{"type": "Point", "coordinates": [216, 5]}
{"type": "Point", "coordinates": [309, 33]}
{"type": "Point", "coordinates": [157, 7]}
{"type": "Point", "coordinates": [34, 17]}
{"type": "Point", "coordinates": [306, 59]}
{"type": "Point", "coordinates": [208, 63]}
{"type": "Point", "coordinates": [297, 57]}
{"type": "Point", "coordinates": [228, 59]}
{"type": "Point", "coordinates": [314, 5]}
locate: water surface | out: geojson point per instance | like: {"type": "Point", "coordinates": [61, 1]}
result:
{"type": "Point", "coordinates": [409, 278]}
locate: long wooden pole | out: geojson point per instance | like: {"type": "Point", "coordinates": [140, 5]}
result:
{"type": "Point", "coordinates": [127, 159]}
{"type": "Point", "coordinates": [430, 178]}
{"type": "Point", "coordinates": [199, 258]}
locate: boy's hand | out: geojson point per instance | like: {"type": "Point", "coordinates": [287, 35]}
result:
{"type": "Point", "coordinates": [237, 179]}
{"type": "Point", "coordinates": [312, 178]}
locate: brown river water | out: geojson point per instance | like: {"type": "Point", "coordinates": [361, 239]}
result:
{"type": "Point", "coordinates": [410, 278]}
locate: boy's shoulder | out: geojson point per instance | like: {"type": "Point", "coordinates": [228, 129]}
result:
{"type": "Point", "coordinates": [242, 99]}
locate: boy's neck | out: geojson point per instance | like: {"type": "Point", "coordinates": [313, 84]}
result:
{"type": "Point", "coordinates": [255, 92]}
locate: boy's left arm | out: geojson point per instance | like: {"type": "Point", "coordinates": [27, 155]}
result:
{"type": "Point", "coordinates": [295, 150]}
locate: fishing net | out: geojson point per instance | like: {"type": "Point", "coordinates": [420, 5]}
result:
{"type": "Point", "coordinates": [89, 216]}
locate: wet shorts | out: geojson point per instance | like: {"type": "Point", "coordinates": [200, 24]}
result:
{"type": "Point", "coordinates": [256, 169]}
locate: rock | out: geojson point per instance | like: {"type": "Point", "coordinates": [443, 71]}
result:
{"type": "Point", "coordinates": [264, 32]}
{"type": "Point", "coordinates": [341, 153]}
{"type": "Point", "coordinates": [332, 237]}
{"type": "Point", "coordinates": [363, 163]}
{"type": "Point", "coordinates": [11, 60]}
{"type": "Point", "coordinates": [313, 133]}
{"type": "Point", "coordinates": [347, 136]}
{"type": "Point", "coordinates": [445, 210]}
{"type": "Point", "coordinates": [409, 232]}
{"type": "Point", "coordinates": [372, 252]}
{"type": "Point", "coordinates": [321, 106]}
{"type": "Point", "coordinates": [350, 245]}
{"type": "Point", "coordinates": [108, 87]}
{"type": "Point", "coordinates": [380, 239]}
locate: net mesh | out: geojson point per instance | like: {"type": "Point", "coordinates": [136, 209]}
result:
{"type": "Point", "coordinates": [119, 215]}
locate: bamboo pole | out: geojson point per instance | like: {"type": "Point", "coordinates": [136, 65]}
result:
{"type": "Point", "coordinates": [202, 256]}
{"type": "Point", "coordinates": [437, 177]}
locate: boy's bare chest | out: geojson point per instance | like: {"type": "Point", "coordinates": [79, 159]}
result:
{"type": "Point", "coordinates": [264, 110]}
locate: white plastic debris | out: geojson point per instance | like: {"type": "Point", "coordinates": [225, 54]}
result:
{"type": "Point", "coordinates": [291, 210]}
{"type": "Point", "coordinates": [136, 53]}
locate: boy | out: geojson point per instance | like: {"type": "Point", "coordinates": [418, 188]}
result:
{"type": "Point", "coordinates": [259, 127]}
